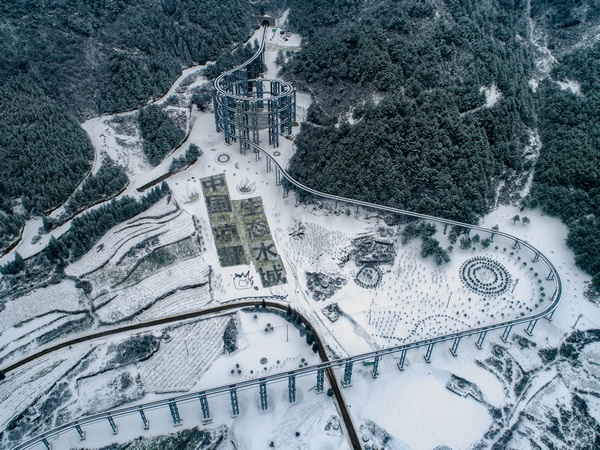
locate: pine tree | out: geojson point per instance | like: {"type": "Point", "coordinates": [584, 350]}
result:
{"type": "Point", "coordinates": [465, 242]}
{"type": "Point", "coordinates": [47, 224]}
{"type": "Point", "coordinates": [310, 337]}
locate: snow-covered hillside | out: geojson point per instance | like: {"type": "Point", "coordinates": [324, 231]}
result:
{"type": "Point", "coordinates": [349, 273]}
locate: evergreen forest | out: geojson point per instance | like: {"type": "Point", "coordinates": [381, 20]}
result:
{"type": "Point", "coordinates": [567, 175]}
{"type": "Point", "coordinates": [160, 133]}
{"type": "Point", "coordinates": [400, 115]}
{"type": "Point", "coordinates": [64, 61]}
{"type": "Point", "coordinates": [109, 181]}
{"type": "Point", "coordinates": [106, 56]}
{"type": "Point", "coordinates": [403, 110]}
{"type": "Point", "coordinates": [44, 154]}
{"type": "Point", "coordinates": [398, 92]}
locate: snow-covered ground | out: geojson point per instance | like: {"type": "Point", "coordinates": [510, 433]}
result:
{"type": "Point", "coordinates": [28, 321]}
{"type": "Point", "coordinates": [106, 373]}
{"type": "Point", "coordinates": [492, 95]}
{"type": "Point", "coordinates": [138, 269]}
{"type": "Point", "coordinates": [570, 85]}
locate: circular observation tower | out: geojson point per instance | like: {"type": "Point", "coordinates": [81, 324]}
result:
{"type": "Point", "coordinates": [245, 104]}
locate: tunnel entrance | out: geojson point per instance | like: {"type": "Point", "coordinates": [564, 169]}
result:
{"type": "Point", "coordinates": [267, 21]}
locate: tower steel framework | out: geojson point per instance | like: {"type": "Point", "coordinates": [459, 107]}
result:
{"type": "Point", "coordinates": [245, 103]}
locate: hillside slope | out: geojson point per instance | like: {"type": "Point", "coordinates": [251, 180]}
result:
{"type": "Point", "coordinates": [61, 62]}
{"type": "Point", "coordinates": [443, 107]}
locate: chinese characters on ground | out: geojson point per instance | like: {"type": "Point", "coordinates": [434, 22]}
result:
{"type": "Point", "coordinates": [242, 234]}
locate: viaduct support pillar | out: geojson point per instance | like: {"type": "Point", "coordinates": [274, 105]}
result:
{"type": "Point", "coordinates": [259, 93]}
{"type": "Point", "coordinates": [175, 413]}
{"type": "Point", "coordinates": [347, 382]}
{"type": "Point", "coordinates": [480, 340]}
{"type": "Point", "coordinates": [263, 395]}
{"type": "Point", "coordinates": [455, 346]}
{"type": "Point", "coordinates": [80, 432]}
{"type": "Point", "coordinates": [113, 425]}
{"type": "Point", "coordinates": [506, 333]}
{"type": "Point", "coordinates": [428, 353]}
{"type": "Point", "coordinates": [530, 327]}
{"type": "Point", "coordinates": [277, 176]}
{"type": "Point", "coordinates": [292, 388]}
{"type": "Point", "coordinates": [204, 407]}
{"type": "Point", "coordinates": [320, 380]}
{"type": "Point", "coordinates": [375, 366]}
{"type": "Point", "coordinates": [402, 360]}
{"type": "Point", "coordinates": [144, 419]}
{"type": "Point", "coordinates": [216, 109]}
{"type": "Point", "coordinates": [235, 409]}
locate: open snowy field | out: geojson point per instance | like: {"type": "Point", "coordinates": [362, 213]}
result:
{"type": "Point", "coordinates": [31, 320]}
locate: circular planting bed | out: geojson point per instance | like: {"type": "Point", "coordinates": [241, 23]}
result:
{"type": "Point", "coordinates": [223, 158]}
{"type": "Point", "coordinates": [485, 276]}
{"type": "Point", "coordinates": [369, 277]}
